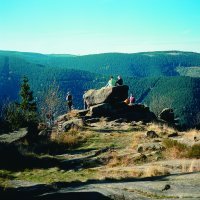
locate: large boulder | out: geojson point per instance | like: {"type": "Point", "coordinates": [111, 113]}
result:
{"type": "Point", "coordinates": [108, 109]}
{"type": "Point", "coordinates": [118, 110]}
{"type": "Point", "coordinates": [167, 115]}
{"type": "Point", "coordinates": [106, 95]}
{"type": "Point", "coordinates": [72, 124]}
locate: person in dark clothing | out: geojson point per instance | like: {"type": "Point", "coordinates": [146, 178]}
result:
{"type": "Point", "coordinates": [85, 106]}
{"type": "Point", "coordinates": [69, 101]}
{"type": "Point", "coordinates": [119, 81]}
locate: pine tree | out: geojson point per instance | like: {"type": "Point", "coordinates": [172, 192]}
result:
{"type": "Point", "coordinates": [27, 100]}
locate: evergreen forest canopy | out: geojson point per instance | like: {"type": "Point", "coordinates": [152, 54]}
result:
{"type": "Point", "coordinates": [157, 79]}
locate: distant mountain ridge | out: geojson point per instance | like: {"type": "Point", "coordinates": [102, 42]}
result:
{"type": "Point", "coordinates": [145, 64]}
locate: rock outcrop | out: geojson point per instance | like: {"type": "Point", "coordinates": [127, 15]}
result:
{"type": "Point", "coordinates": [14, 136]}
{"type": "Point", "coordinates": [167, 115]}
{"type": "Point", "coordinates": [106, 102]}
{"type": "Point", "coordinates": [106, 95]}
{"type": "Point", "coordinates": [137, 112]}
{"type": "Point", "coordinates": [109, 102]}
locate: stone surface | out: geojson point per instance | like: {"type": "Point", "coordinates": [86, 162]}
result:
{"type": "Point", "coordinates": [14, 136]}
{"type": "Point", "coordinates": [135, 188]}
{"type": "Point", "coordinates": [106, 95]}
{"type": "Point", "coordinates": [73, 123]}
{"type": "Point", "coordinates": [151, 134]}
{"type": "Point", "coordinates": [167, 115]}
{"type": "Point", "coordinates": [175, 134]}
{"type": "Point", "coordinates": [149, 147]}
{"type": "Point", "coordinates": [121, 110]}
{"type": "Point", "coordinates": [62, 118]}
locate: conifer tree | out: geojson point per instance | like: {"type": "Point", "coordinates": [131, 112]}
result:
{"type": "Point", "coordinates": [27, 100]}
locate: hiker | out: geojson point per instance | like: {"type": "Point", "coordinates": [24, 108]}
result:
{"type": "Point", "coordinates": [131, 100]}
{"type": "Point", "coordinates": [111, 82]}
{"type": "Point", "coordinates": [85, 106]}
{"type": "Point", "coordinates": [119, 81]}
{"type": "Point", "coordinates": [69, 101]}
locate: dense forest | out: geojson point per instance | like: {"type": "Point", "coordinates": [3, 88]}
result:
{"type": "Point", "coordinates": [157, 79]}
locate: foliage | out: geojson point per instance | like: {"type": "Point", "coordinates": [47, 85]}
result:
{"type": "Point", "coordinates": [27, 102]}
{"type": "Point", "coordinates": [70, 139]}
{"type": "Point", "coordinates": [23, 114]}
{"type": "Point", "coordinates": [13, 116]}
{"type": "Point", "coordinates": [50, 102]}
{"type": "Point", "coordinates": [175, 149]}
{"type": "Point", "coordinates": [194, 151]}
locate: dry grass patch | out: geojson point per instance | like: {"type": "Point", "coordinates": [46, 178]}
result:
{"type": "Point", "coordinates": [138, 138]}
{"type": "Point", "coordinates": [192, 134]}
{"type": "Point", "coordinates": [194, 151]}
{"type": "Point", "coordinates": [134, 172]}
{"type": "Point", "coordinates": [156, 171]}
{"type": "Point", "coordinates": [161, 129]}
{"type": "Point", "coordinates": [193, 166]}
{"type": "Point", "coordinates": [174, 149]}
{"type": "Point", "coordinates": [115, 160]}
{"type": "Point", "coordinates": [71, 138]}
{"type": "Point", "coordinates": [116, 173]}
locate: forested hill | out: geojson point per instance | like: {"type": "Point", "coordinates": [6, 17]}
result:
{"type": "Point", "coordinates": [157, 79]}
{"type": "Point", "coordinates": [146, 64]}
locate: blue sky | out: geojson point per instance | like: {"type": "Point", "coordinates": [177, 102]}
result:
{"type": "Point", "coordinates": [98, 26]}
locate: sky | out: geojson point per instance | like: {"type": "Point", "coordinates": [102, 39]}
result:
{"type": "Point", "coordinates": [83, 27]}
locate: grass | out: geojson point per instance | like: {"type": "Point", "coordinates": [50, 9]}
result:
{"type": "Point", "coordinates": [194, 151]}
{"type": "Point", "coordinates": [98, 140]}
{"type": "Point", "coordinates": [193, 166]}
{"type": "Point", "coordinates": [5, 176]}
{"type": "Point", "coordinates": [137, 139]}
{"type": "Point", "coordinates": [116, 160]}
{"type": "Point", "coordinates": [156, 171]}
{"type": "Point", "coordinates": [50, 175]}
{"type": "Point", "coordinates": [174, 149]}
{"type": "Point", "coordinates": [161, 129]}
{"type": "Point", "coordinates": [123, 139]}
{"type": "Point", "coordinates": [70, 139]}
{"type": "Point", "coordinates": [192, 133]}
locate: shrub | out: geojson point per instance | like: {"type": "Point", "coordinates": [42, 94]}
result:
{"type": "Point", "coordinates": [13, 116]}
{"type": "Point", "coordinates": [194, 151]}
{"type": "Point", "coordinates": [70, 139]}
{"type": "Point", "coordinates": [174, 149]}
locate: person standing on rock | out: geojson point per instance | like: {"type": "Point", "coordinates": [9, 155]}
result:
{"type": "Point", "coordinates": [69, 101]}
{"type": "Point", "coordinates": [111, 82]}
{"type": "Point", "coordinates": [85, 106]}
{"type": "Point", "coordinates": [119, 81]}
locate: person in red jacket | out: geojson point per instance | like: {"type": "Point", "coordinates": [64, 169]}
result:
{"type": "Point", "coordinates": [131, 100]}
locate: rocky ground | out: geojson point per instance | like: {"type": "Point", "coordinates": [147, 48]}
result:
{"type": "Point", "coordinates": [110, 151]}
{"type": "Point", "coordinates": [116, 160]}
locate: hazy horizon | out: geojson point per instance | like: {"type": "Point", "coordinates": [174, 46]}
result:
{"type": "Point", "coordinates": [83, 27]}
{"type": "Point", "coordinates": [34, 52]}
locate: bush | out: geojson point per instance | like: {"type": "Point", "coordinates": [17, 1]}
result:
{"type": "Point", "coordinates": [13, 116]}
{"type": "Point", "coordinates": [175, 149]}
{"type": "Point", "coordinates": [194, 151]}
{"type": "Point", "coordinates": [70, 139]}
